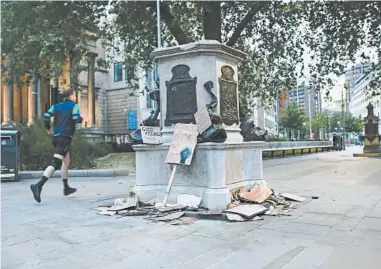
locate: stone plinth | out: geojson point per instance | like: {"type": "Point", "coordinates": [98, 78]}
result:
{"type": "Point", "coordinates": [200, 62]}
{"type": "Point", "coordinates": [216, 169]}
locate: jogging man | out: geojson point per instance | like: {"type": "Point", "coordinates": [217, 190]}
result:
{"type": "Point", "coordinates": [66, 115]}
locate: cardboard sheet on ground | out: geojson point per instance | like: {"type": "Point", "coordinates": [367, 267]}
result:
{"type": "Point", "coordinates": [258, 194]}
{"type": "Point", "coordinates": [171, 216]}
{"type": "Point", "coordinates": [125, 203]}
{"type": "Point", "coordinates": [183, 144]}
{"type": "Point", "coordinates": [247, 211]}
{"type": "Point", "coordinates": [151, 135]}
{"type": "Point", "coordinates": [293, 197]}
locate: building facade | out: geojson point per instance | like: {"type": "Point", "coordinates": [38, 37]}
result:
{"type": "Point", "coordinates": [109, 108]}
{"type": "Point", "coordinates": [265, 118]}
{"type": "Point", "coordinates": [361, 97]}
{"type": "Point", "coordinates": [308, 98]}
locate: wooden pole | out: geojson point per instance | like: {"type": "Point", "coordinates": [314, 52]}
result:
{"type": "Point", "coordinates": [169, 185]}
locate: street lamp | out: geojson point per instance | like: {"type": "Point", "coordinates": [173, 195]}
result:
{"type": "Point", "coordinates": [309, 111]}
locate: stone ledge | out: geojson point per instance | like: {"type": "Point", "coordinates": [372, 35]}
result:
{"type": "Point", "coordinates": [79, 173]}
{"type": "Point", "coordinates": [201, 47]}
{"type": "Point", "coordinates": [209, 145]}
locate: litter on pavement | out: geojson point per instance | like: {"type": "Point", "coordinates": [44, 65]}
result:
{"type": "Point", "coordinates": [250, 205]}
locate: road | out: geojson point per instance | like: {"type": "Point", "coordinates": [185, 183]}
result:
{"type": "Point", "coordinates": [341, 229]}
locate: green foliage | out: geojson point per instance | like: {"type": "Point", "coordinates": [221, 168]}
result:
{"type": "Point", "coordinates": [37, 149]}
{"type": "Point", "coordinates": [276, 35]}
{"type": "Point", "coordinates": [352, 124]}
{"type": "Point", "coordinates": [319, 123]}
{"type": "Point", "coordinates": [39, 36]}
{"type": "Point", "coordinates": [294, 118]}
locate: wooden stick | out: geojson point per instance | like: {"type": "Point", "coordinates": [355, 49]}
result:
{"type": "Point", "coordinates": [169, 185]}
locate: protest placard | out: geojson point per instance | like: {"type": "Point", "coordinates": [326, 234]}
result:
{"type": "Point", "coordinates": [151, 135]}
{"type": "Point", "coordinates": [202, 120]}
{"type": "Point", "coordinates": [183, 143]}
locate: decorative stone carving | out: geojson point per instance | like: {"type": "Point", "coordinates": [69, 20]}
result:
{"type": "Point", "coordinates": [181, 96]}
{"type": "Point", "coordinates": [228, 93]}
{"type": "Point", "coordinates": [136, 136]}
{"type": "Point", "coordinates": [215, 133]}
{"type": "Point", "coordinates": [249, 131]}
{"type": "Point", "coordinates": [371, 138]}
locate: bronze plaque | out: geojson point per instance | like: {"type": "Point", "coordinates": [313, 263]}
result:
{"type": "Point", "coordinates": [181, 96]}
{"type": "Point", "coordinates": [228, 93]}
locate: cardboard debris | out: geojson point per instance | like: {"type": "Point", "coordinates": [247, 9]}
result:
{"type": "Point", "coordinates": [188, 200]}
{"type": "Point", "coordinates": [188, 220]}
{"type": "Point", "coordinates": [293, 197]}
{"type": "Point", "coordinates": [245, 206]}
{"type": "Point", "coordinates": [175, 222]}
{"type": "Point", "coordinates": [133, 213]}
{"type": "Point", "coordinates": [107, 213]}
{"type": "Point", "coordinates": [277, 211]}
{"type": "Point", "coordinates": [258, 194]}
{"type": "Point", "coordinates": [247, 211]}
{"type": "Point", "coordinates": [235, 217]}
{"type": "Point", "coordinates": [125, 203]}
{"type": "Point", "coordinates": [170, 208]}
{"type": "Point", "coordinates": [171, 216]}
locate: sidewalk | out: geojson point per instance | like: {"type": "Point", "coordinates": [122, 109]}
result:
{"type": "Point", "coordinates": [341, 229]}
{"type": "Point", "coordinates": [109, 172]}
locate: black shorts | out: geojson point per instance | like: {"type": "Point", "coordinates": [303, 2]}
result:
{"type": "Point", "coordinates": [61, 144]}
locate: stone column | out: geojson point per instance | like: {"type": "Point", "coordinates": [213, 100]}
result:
{"type": "Point", "coordinates": [91, 90]}
{"type": "Point", "coordinates": [32, 99]}
{"type": "Point", "coordinates": [8, 96]}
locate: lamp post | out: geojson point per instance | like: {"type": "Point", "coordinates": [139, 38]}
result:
{"type": "Point", "coordinates": [309, 111]}
{"type": "Point", "coordinates": [342, 113]}
{"type": "Point", "coordinates": [158, 24]}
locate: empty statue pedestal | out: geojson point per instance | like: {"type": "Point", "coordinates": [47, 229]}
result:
{"type": "Point", "coordinates": [216, 169]}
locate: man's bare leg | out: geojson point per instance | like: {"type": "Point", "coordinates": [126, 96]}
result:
{"type": "Point", "coordinates": [49, 171]}
{"type": "Point", "coordinates": [64, 174]}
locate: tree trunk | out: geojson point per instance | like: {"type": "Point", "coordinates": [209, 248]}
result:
{"type": "Point", "coordinates": [212, 20]}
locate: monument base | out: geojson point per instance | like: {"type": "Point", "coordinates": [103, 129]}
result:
{"type": "Point", "coordinates": [216, 169]}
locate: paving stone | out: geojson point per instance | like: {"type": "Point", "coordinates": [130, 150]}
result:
{"type": "Point", "coordinates": [63, 232]}
{"type": "Point", "coordinates": [304, 228]}
{"type": "Point", "coordinates": [368, 223]}
{"type": "Point", "coordinates": [319, 219]}
{"type": "Point", "coordinates": [311, 257]}
{"type": "Point", "coordinates": [352, 258]}
{"type": "Point", "coordinates": [346, 224]}
{"type": "Point", "coordinates": [356, 212]}
{"type": "Point", "coordinates": [374, 213]}
{"type": "Point", "coordinates": [211, 257]}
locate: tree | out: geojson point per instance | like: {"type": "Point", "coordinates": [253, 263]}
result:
{"type": "Point", "coordinates": [294, 118]}
{"type": "Point", "coordinates": [352, 124]}
{"type": "Point", "coordinates": [40, 37]}
{"type": "Point", "coordinates": [319, 124]}
{"type": "Point", "coordinates": [277, 35]}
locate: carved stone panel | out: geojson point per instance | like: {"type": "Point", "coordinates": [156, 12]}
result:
{"type": "Point", "coordinates": [228, 93]}
{"type": "Point", "coordinates": [181, 96]}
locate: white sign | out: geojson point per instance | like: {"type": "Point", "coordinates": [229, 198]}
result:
{"type": "Point", "coordinates": [151, 135]}
{"type": "Point", "coordinates": [202, 120]}
{"type": "Point", "coordinates": [183, 144]}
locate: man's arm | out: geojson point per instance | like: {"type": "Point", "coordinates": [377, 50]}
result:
{"type": "Point", "coordinates": [76, 116]}
{"type": "Point", "coordinates": [47, 117]}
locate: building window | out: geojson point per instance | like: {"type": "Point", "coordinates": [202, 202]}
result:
{"type": "Point", "coordinates": [132, 120]}
{"type": "Point", "coordinates": [118, 72]}
{"type": "Point", "coordinates": [130, 73]}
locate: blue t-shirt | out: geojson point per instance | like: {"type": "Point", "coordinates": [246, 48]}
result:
{"type": "Point", "coordinates": [66, 115]}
